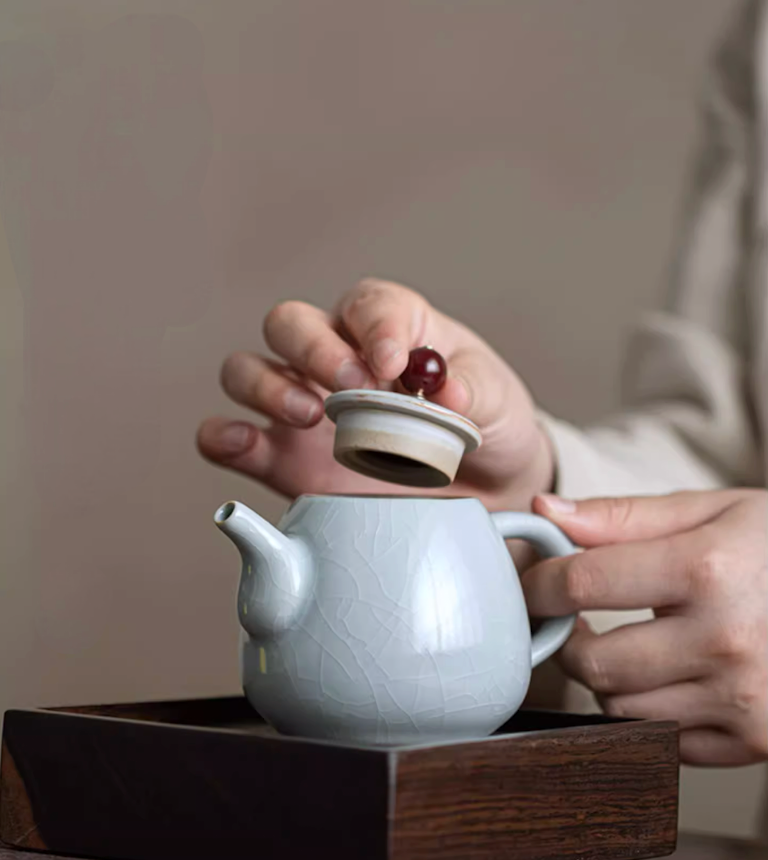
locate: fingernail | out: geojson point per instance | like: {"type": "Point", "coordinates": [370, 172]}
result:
{"type": "Point", "coordinates": [558, 505]}
{"type": "Point", "coordinates": [300, 406]}
{"type": "Point", "coordinates": [236, 438]}
{"type": "Point", "coordinates": [384, 351]}
{"type": "Point", "coordinates": [351, 375]}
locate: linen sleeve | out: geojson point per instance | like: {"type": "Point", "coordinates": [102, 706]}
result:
{"type": "Point", "coordinates": [687, 414]}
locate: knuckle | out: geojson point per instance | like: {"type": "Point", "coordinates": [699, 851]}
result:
{"type": "Point", "coordinates": [619, 512]}
{"type": "Point", "coordinates": [734, 640]}
{"type": "Point", "coordinates": [371, 291]}
{"type": "Point", "coordinates": [593, 670]}
{"type": "Point", "coordinates": [743, 698]}
{"type": "Point", "coordinates": [751, 701]}
{"type": "Point", "coordinates": [748, 696]}
{"type": "Point", "coordinates": [366, 292]}
{"type": "Point", "coordinates": [580, 578]}
{"type": "Point", "coordinates": [708, 572]}
{"type": "Point", "coordinates": [372, 287]}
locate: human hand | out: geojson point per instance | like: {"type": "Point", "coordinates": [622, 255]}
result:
{"type": "Point", "coordinates": [700, 561]}
{"type": "Point", "coordinates": [365, 343]}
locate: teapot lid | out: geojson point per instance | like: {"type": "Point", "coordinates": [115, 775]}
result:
{"type": "Point", "coordinates": [401, 438]}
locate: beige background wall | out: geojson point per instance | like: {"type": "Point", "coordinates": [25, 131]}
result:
{"type": "Point", "coordinates": [169, 170]}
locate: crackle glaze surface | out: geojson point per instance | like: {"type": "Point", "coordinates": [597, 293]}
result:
{"type": "Point", "coordinates": [414, 626]}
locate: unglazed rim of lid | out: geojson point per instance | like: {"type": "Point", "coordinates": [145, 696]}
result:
{"type": "Point", "coordinates": [399, 438]}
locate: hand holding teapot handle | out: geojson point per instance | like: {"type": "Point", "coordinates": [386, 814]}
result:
{"type": "Point", "coordinates": [549, 541]}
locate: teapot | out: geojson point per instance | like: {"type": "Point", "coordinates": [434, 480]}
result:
{"type": "Point", "coordinates": [388, 620]}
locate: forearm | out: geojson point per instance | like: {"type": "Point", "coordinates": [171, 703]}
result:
{"type": "Point", "coordinates": [687, 422]}
{"type": "Point", "coordinates": [628, 456]}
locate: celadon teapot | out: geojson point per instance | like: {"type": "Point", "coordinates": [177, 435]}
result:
{"type": "Point", "coordinates": [388, 620]}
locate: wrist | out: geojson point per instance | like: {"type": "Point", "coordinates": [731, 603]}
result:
{"type": "Point", "coordinates": [538, 476]}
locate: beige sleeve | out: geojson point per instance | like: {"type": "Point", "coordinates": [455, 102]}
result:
{"type": "Point", "coordinates": [686, 420]}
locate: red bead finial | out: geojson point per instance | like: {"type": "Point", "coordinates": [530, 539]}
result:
{"type": "Point", "coordinates": [426, 371]}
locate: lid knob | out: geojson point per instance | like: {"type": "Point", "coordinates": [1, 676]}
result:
{"type": "Point", "coordinates": [426, 371]}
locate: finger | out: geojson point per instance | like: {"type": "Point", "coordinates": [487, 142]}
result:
{"type": "Point", "coordinates": [636, 658]}
{"type": "Point", "coordinates": [304, 336]}
{"type": "Point", "coordinates": [236, 445]}
{"type": "Point", "coordinates": [714, 748]}
{"type": "Point", "coordinates": [386, 320]}
{"type": "Point", "coordinates": [265, 387]}
{"type": "Point", "coordinates": [624, 576]}
{"type": "Point", "coordinates": [712, 703]}
{"type": "Point", "coordinates": [690, 704]}
{"type": "Point", "coordinates": [592, 522]}
{"type": "Point", "coordinates": [481, 387]}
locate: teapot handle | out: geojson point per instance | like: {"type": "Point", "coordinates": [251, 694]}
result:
{"type": "Point", "coordinates": [549, 541]}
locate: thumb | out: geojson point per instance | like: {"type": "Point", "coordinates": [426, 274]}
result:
{"type": "Point", "coordinates": [482, 387]}
{"type": "Point", "coordinates": [593, 522]}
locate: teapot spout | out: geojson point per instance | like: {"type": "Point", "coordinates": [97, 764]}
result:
{"type": "Point", "coordinates": [277, 574]}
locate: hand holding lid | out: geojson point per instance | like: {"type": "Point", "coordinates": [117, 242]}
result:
{"type": "Point", "coordinates": [403, 438]}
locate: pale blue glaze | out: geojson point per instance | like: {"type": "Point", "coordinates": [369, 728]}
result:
{"type": "Point", "coordinates": [387, 620]}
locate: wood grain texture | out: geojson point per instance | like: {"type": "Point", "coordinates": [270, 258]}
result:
{"type": "Point", "coordinates": [206, 779]}
{"type": "Point", "coordinates": [587, 793]}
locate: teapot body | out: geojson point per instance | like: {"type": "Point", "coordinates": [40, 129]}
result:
{"type": "Point", "coordinates": [415, 628]}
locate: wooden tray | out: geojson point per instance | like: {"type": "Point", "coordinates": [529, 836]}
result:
{"type": "Point", "coordinates": [208, 779]}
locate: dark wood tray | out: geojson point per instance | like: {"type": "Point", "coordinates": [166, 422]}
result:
{"type": "Point", "coordinates": [208, 779]}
